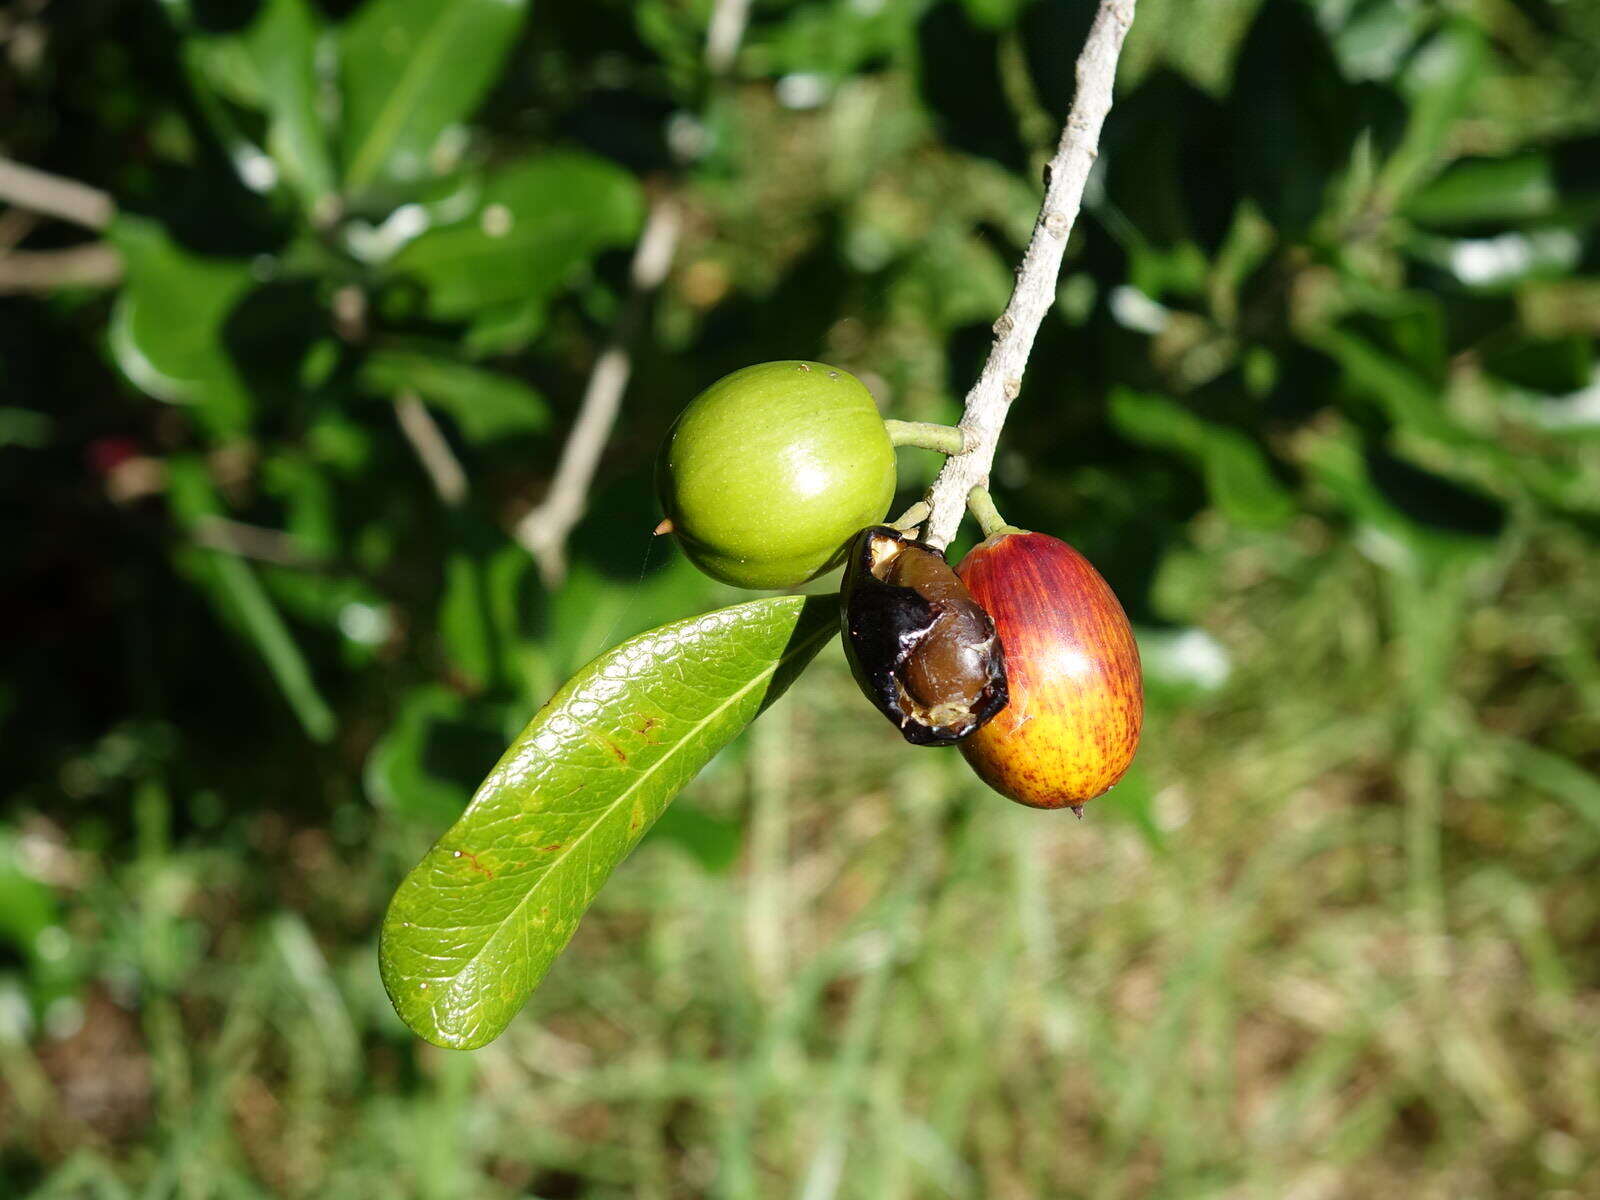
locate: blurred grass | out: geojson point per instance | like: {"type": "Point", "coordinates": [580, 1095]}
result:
{"type": "Point", "coordinates": [1351, 952]}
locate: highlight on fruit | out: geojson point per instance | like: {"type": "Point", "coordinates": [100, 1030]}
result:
{"type": "Point", "coordinates": [768, 473]}
{"type": "Point", "coordinates": [1072, 669]}
{"type": "Point", "coordinates": [923, 651]}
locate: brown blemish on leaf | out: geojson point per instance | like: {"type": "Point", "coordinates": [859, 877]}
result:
{"type": "Point", "coordinates": [621, 754]}
{"type": "Point", "coordinates": [551, 848]}
{"type": "Point", "coordinates": [472, 860]}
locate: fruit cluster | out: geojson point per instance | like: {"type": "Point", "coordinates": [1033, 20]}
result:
{"type": "Point", "coordinates": [1021, 654]}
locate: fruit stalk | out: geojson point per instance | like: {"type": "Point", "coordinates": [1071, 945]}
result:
{"type": "Point", "coordinates": [981, 504]}
{"type": "Point", "coordinates": [925, 435]}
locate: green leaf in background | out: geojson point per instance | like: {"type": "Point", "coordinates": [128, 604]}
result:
{"type": "Point", "coordinates": [466, 630]}
{"type": "Point", "coordinates": [282, 43]}
{"type": "Point", "coordinates": [425, 765]}
{"type": "Point", "coordinates": [166, 330]}
{"type": "Point", "coordinates": [1371, 40]}
{"type": "Point", "coordinates": [711, 841]}
{"type": "Point", "coordinates": [1478, 190]}
{"type": "Point", "coordinates": [994, 14]}
{"type": "Point", "coordinates": [485, 404]}
{"type": "Point", "coordinates": [1388, 535]}
{"type": "Point", "coordinates": [271, 66]}
{"type": "Point", "coordinates": [27, 906]}
{"type": "Point", "coordinates": [236, 591]}
{"type": "Point", "coordinates": [1504, 262]}
{"type": "Point", "coordinates": [590, 611]}
{"type": "Point", "coordinates": [411, 70]}
{"type": "Point", "coordinates": [475, 926]}
{"type": "Point", "coordinates": [1237, 477]}
{"type": "Point", "coordinates": [1440, 79]}
{"type": "Point", "coordinates": [538, 222]}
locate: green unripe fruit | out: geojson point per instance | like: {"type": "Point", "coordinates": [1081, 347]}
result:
{"type": "Point", "coordinates": [769, 472]}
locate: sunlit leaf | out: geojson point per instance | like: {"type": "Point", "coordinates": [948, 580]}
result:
{"type": "Point", "coordinates": [282, 43]}
{"type": "Point", "coordinates": [167, 327]}
{"type": "Point", "coordinates": [411, 70]}
{"type": "Point", "coordinates": [537, 222]}
{"type": "Point", "coordinates": [478, 922]}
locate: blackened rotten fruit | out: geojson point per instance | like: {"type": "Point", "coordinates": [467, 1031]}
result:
{"type": "Point", "coordinates": [922, 650]}
{"type": "Point", "coordinates": [1072, 667]}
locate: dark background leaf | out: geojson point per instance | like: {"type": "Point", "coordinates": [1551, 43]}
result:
{"type": "Point", "coordinates": [1318, 399]}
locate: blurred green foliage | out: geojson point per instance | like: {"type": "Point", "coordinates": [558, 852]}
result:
{"type": "Point", "coordinates": [1319, 399]}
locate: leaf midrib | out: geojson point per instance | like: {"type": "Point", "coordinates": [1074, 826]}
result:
{"type": "Point", "coordinates": [571, 846]}
{"type": "Point", "coordinates": [391, 112]}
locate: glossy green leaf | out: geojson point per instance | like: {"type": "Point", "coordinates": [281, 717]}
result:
{"type": "Point", "coordinates": [537, 223]}
{"type": "Point", "coordinates": [589, 612]}
{"type": "Point", "coordinates": [475, 926]}
{"type": "Point", "coordinates": [485, 404]}
{"type": "Point", "coordinates": [1237, 477]}
{"type": "Point", "coordinates": [411, 69]}
{"type": "Point", "coordinates": [166, 330]}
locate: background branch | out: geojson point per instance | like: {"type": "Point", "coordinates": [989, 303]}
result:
{"type": "Point", "coordinates": [53, 196]}
{"type": "Point", "coordinates": [543, 531]}
{"type": "Point", "coordinates": [95, 265]}
{"type": "Point", "coordinates": [724, 33]}
{"type": "Point", "coordinates": [432, 448]}
{"type": "Point", "coordinates": [1001, 379]}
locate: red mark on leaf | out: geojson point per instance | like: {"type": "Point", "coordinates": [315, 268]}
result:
{"type": "Point", "coordinates": [477, 866]}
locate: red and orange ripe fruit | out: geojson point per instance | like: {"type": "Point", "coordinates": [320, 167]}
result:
{"type": "Point", "coordinates": [1077, 698]}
